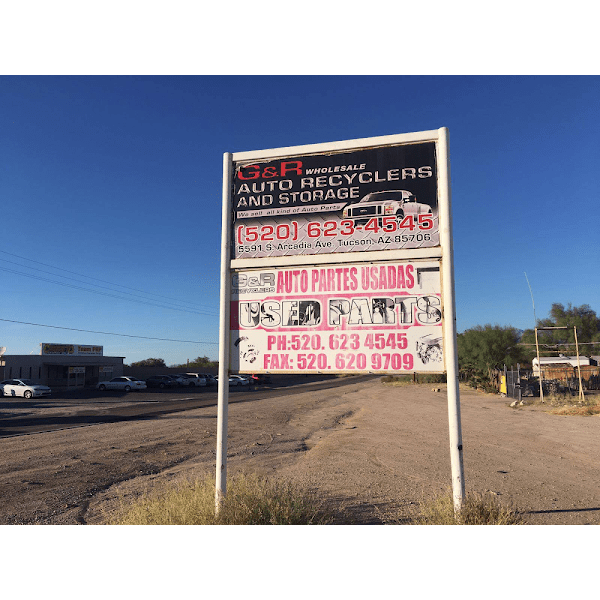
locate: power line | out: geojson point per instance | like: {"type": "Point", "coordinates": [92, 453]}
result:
{"type": "Point", "coordinates": [142, 337]}
{"type": "Point", "coordinates": [72, 279]}
{"type": "Point", "coordinates": [181, 309]}
{"type": "Point", "coordinates": [89, 277]}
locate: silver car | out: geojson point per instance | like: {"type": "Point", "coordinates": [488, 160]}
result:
{"type": "Point", "coordinates": [197, 379]}
{"type": "Point", "coordinates": [122, 383]}
{"type": "Point", "coordinates": [25, 388]}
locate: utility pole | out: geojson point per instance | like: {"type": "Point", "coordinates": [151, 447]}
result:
{"type": "Point", "coordinates": [578, 365]}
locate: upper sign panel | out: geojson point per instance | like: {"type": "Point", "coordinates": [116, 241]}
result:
{"type": "Point", "coordinates": [381, 198]}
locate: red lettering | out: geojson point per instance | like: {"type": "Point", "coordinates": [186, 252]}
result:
{"type": "Point", "coordinates": [251, 174]}
{"type": "Point", "coordinates": [248, 172]}
{"type": "Point", "coordinates": [270, 172]}
{"type": "Point", "coordinates": [410, 279]}
{"type": "Point", "coordinates": [295, 169]}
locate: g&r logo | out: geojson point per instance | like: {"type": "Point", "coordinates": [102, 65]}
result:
{"type": "Point", "coordinates": [268, 172]}
{"type": "Point", "coordinates": [241, 280]}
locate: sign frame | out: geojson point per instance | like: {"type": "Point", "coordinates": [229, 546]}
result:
{"type": "Point", "coordinates": [443, 252]}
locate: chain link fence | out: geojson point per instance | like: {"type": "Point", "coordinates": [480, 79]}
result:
{"type": "Point", "coordinates": [521, 383]}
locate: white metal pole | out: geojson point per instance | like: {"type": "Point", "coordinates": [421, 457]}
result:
{"type": "Point", "coordinates": [581, 396]}
{"type": "Point", "coordinates": [540, 374]}
{"type": "Point", "coordinates": [223, 395]}
{"type": "Point", "coordinates": [448, 296]}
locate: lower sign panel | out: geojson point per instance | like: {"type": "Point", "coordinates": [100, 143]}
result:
{"type": "Point", "coordinates": [362, 318]}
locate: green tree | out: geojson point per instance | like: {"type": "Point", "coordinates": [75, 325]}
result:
{"type": "Point", "coordinates": [487, 347]}
{"type": "Point", "coordinates": [563, 340]}
{"type": "Point", "coordinates": [199, 362]}
{"type": "Point", "coordinates": [150, 362]}
{"type": "Point", "coordinates": [202, 361]}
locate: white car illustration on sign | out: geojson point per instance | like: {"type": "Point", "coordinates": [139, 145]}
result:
{"type": "Point", "coordinates": [390, 203]}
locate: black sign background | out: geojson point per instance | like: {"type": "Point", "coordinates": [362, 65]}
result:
{"type": "Point", "coordinates": [375, 160]}
{"type": "Point", "coordinates": [276, 190]}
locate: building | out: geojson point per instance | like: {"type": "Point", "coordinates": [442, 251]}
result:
{"type": "Point", "coordinates": [62, 365]}
{"type": "Point", "coordinates": [559, 361]}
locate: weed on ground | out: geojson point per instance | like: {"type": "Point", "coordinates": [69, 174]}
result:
{"type": "Point", "coordinates": [570, 405]}
{"type": "Point", "coordinates": [477, 509]}
{"type": "Point", "coordinates": [250, 500]}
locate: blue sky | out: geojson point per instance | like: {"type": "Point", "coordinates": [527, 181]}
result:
{"type": "Point", "coordinates": [118, 178]}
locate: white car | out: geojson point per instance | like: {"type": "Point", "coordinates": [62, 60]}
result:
{"type": "Point", "coordinates": [192, 379]}
{"type": "Point", "coordinates": [210, 379]}
{"type": "Point", "coordinates": [122, 383]}
{"type": "Point", "coordinates": [238, 380]}
{"type": "Point", "coordinates": [25, 388]}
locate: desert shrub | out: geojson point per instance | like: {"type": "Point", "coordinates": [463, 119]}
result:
{"type": "Point", "coordinates": [408, 379]}
{"type": "Point", "coordinates": [581, 410]}
{"type": "Point", "coordinates": [477, 509]}
{"type": "Point", "coordinates": [250, 500]}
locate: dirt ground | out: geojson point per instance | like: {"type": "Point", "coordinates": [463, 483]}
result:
{"type": "Point", "coordinates": [375, 450]}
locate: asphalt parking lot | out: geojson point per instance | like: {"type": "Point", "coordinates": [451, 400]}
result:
{"type": "Point", "coordinates": [88, 406]}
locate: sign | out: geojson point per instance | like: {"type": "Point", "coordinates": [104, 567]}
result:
{"type": "Point", "coordinates": [89, 350]}
{"type": "Point", "coordinates": [108, 369]}
{"type": "Point", "coordinates": [380, 198]}
{"type": "Point", "coordinates": [338, 257]}
{"type": "Point", "coordinates": [76, 370]}
{"type": "Point", "coordinates": [361, 317]}
{"type": "Point", "coordinates": [71, 350]}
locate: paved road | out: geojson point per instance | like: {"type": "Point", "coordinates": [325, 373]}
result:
{"type": "Point", "coordinates": [90, 407]}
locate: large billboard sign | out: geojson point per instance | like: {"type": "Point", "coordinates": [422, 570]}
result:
{"type": "Point", "coordinates": [361, 317]}
{"type": "Point", "coordinates": [337, 258]}
{"type": "Point", "coordinates": [370, 199]}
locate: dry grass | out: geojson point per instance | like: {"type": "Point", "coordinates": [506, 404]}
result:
{"type": "Point", "coordinates": [578, 410]}
{"type": "Point", "coordinates": [477, 509]}
{"type": "Point", "coordinates": [250, 500]}
{"type": "Point", "coordinates": [567, 405]}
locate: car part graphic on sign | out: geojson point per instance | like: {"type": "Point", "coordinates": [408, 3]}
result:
{"type": "Point", "coordinates": [247, 351]}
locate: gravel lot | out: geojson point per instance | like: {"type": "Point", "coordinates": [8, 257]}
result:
{"type": "Point", "coordinates": [377, 450]}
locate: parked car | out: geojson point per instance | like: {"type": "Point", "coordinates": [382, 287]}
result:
{"type": "Point", "coordinates": [25, 388]}
{"type": "Point", "coordinates": [160, 381]}
{"type": "Point", "coordinates": [122, 383]}
{"type": "Point", "coordinates": [233, 380]}
{"type": "Point", "coordinates": [210, 379]}
{"type": "Point", "coordinates": [260, 378]}
{"type": "Point", "coordinates": [390, 203]}
{"type": "Point", "coordinates": [193, 379]}
{"type": "Point", "coordinates": [178, 379]}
